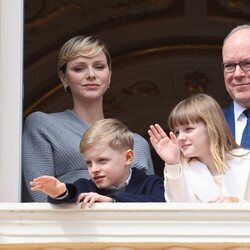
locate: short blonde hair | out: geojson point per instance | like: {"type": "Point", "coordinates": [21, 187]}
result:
{"type": "Point", "coordinates": [87, 46]}
{"type": "Point", "coordinates": [203, 108]}
{"type": "Point", "coordinates": [112, 131]}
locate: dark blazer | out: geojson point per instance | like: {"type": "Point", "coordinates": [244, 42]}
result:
{"type": "Point", "coordinates": [141, 188]}
{"type": "Point", "coordinates": [229, 115]}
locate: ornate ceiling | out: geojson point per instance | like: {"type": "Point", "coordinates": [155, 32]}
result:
{"type": "Point", "coordinates": [162, 51]}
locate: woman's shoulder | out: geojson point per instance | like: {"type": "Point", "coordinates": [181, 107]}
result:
{"type": "Point", "coordinates": [140, 141]}
{"type": "Point", "coordinates": [42, 117]}
{"type": "Point", "coordinates": [139, 138]}
{"type": "Point", "coordinates": [45, 121]}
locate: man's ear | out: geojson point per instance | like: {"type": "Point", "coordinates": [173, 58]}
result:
{"type": "Point", "coordinates": [129, 156]}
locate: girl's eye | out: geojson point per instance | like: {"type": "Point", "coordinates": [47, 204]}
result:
{"type": "Point", "coordinates": [189, 129]}
{"type": "Point", "coordinates": [176, 133]}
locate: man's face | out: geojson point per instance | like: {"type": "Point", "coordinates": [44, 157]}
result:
{"type": "Point", "coordinates": [236, 49]}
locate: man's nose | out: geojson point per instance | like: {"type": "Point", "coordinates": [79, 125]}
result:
{"type": "Point", "coordinates": [238, 71]}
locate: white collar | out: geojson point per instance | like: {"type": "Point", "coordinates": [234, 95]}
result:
{"type": "Point", "coordinates": [238, 109]}
{"type": "Point", "coordinates": [123, 184]}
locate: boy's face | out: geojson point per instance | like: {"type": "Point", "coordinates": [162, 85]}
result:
{"type": "Point", "coordinates": [108, 167]}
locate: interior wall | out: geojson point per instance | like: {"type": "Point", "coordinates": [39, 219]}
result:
{"type": "Point", "coordinates": [162, 52]}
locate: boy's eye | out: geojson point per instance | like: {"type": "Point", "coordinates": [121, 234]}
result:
{"type": "Point", "coordinates": [89, 164]}
{"type": "Point", "coordinates": [103, 161]}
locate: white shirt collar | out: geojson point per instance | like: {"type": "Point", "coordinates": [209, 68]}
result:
{"type": "Point", "coordinates": [238, 109]}
{"type": "Point", "coordinates": [123, 184]}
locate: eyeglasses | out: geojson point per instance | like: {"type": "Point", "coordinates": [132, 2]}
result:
{"type": "Point", "coordinates": [230, 67]}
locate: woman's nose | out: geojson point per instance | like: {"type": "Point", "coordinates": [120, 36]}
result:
{"type": "Point", "coordinates": [90, 73]}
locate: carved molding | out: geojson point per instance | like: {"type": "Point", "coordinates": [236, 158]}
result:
{"type": "Point", "coordinates": [123, 226]}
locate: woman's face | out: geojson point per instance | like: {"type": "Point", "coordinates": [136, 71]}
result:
{"type": "Point", "coordinates": [87, 78]}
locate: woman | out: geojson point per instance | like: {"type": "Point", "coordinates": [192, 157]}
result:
{"type": "Point", "coordinates": [51, 141]}
{"type": "Point", "coordinates": [202, 161]}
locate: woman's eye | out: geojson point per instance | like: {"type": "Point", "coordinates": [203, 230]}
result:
{"type": "Point", "coordinates": [99, 67]}
{"type": "Point", "coordinates": [78, 69]}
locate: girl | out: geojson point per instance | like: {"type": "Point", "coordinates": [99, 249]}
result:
{"type": "Point", "coordinates": [202, 161]}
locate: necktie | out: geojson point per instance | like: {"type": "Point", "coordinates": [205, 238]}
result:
{"type": "Point", "coordinates": [245, 141]}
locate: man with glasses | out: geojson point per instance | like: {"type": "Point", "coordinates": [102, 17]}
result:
{"type": "Point", "coordinates": [236, 68]}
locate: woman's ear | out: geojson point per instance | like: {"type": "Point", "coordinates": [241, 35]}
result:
{"type": "Point", "coordinates": [62, 76]}
{"type": "Point", "coordinates": [129, 156]}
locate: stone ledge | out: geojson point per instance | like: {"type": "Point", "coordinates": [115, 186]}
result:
{"type": "Point", "coordinates": [124, 226]}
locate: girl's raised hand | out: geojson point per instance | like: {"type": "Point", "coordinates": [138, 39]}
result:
{"type": "Point", "coordinates": [166, 147]}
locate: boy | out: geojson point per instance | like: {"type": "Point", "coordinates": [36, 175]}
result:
{"type": "Point", "coordinates": [107, 147]}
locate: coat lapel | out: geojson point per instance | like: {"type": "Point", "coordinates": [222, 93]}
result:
{"type": "Point", "coordinates": [201, 181]}
{"type": "Point", "coordinates": [236, 177]}
{"type": "Point", "coordinates": [229, 115]}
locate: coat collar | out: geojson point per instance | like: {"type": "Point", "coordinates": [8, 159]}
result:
{"type": "Point", "coordinates": [234, 181]}
{"type": "Point", "coordinates": [201, 181]}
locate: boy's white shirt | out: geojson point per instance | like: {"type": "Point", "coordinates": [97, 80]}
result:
{"type": "Point", "coordinates": [196, 184]}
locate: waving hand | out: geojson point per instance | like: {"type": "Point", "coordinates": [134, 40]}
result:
{"type": "Point", "coordinates": [166, 147]}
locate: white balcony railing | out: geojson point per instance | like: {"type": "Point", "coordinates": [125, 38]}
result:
{"type": "Point", "coordinates": [124, 226]}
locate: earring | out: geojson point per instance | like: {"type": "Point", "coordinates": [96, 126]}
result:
{"type": "Point", "coordinates": [66, 88]}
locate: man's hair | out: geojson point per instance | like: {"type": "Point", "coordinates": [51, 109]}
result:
{"type": "Point", "coordinates": [203, 108]}
{"type": "Point", "coordinates": [111, 131]}
{"type": "Point", "coordinates": [237, 28]}
{"type": "Point", "coordinates": [87, 46]}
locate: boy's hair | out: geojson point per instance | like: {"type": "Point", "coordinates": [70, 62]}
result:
{"type": "Point", "coordinates": [203, 108]}
{"type": "Point", "coordinates": [112, 131]}
{"type": "Point", "coordinates": [87, 46]}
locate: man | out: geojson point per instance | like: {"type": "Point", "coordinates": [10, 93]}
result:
{"type": "Point", "coordinates": [236, 67]}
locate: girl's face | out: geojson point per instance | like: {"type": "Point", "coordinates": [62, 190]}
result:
{"type": "Point", "coordinates": [87, 78]}
{"type": "Point", "coordinates": [193, 140]}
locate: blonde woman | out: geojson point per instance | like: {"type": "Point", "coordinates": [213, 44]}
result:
{"type": "Point", "coordinates": [202, 161]}
{"type": "Point", "coordinates": [51, 141]}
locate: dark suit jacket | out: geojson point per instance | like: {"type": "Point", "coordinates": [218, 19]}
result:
{"type": "Point", "coordinates": [229, 115]}
{"type": "Point", "coordinates": [141, 188]}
